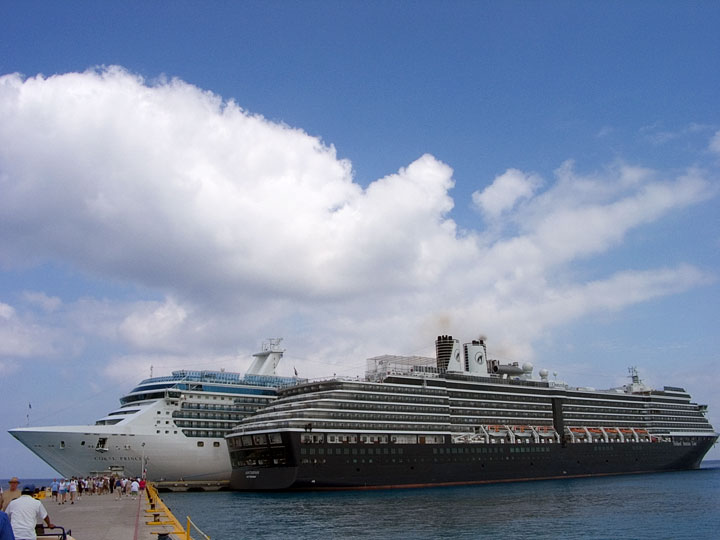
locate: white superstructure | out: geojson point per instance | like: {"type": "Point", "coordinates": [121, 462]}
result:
{"type": "Point", "coordinates": [174, 426]}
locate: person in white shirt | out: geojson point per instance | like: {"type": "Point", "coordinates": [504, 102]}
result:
{"type": "Point", "coordinates": [25, 512]}
{"type": "Point", "coordinates": [72, 489]}
{"type": "Point", "coordinates": [134, 488]}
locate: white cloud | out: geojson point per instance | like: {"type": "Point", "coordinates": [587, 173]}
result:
{"type": "Point", "coordinates": [657, 135]}
{"type": "Point", "coordinates": [154, 326]}
{"type": "Point", "coordinates": [45, 302]}
{"type": "Point", "coordinates": [249, 228]}
{"type": "Point", "coordinates": [715, 143]}
{"type": "Point", "coordinates": [6, 311]}
{"type": "Point", "coordinates": [505, 192]}
{"type": "Point", "coordinates": [22, 337]}
{"type": "Point", "coordinates": [586, 227]}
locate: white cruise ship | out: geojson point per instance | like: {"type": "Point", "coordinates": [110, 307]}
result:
{"type": "Point", "coordinates": [174, 426]}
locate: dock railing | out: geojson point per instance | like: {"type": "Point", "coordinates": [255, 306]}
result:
{"type": "Point", "coordinates": [162, 516]}
{"type": "Point", "coordinates": [190, 525]}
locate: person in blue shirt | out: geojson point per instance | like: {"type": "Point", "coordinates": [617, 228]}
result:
{"type": "Point", "coordinates": [6, 532]}
{"type": "Point", "coordinates": [54, 489]}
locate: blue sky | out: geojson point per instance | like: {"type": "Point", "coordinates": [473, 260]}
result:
{"type": "Point", "coordinates": [180, 180]}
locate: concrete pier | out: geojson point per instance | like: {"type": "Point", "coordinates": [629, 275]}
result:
{"type": "Point", "coordinates": [104, 517]}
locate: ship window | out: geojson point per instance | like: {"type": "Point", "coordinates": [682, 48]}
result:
{"type": "Point", "coordinates": [200, 443]}
{"type": "Point", "coordinates": [275, 438]}
{"type": "Point", "coordinates": [260, 439]}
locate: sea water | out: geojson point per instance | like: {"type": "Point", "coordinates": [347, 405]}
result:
{"type": "Point", "coordinates": [674, 505]}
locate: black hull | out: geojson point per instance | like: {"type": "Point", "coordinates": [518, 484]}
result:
{"type": "Point", "coordinates": [356, 466]}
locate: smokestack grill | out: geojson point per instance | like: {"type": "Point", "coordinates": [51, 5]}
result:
{"type": "Point", "coordinates": [443, 351]}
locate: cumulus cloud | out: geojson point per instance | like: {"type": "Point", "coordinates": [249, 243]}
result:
{"type": "Point", "coordinates": [152, 183]}
{"type": "Point", "coordinates": [239, 226]}
{"type": "Point", "coordinates": [505, 192]}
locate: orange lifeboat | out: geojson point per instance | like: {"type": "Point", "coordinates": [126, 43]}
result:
{"type": "Point", "coordinates": [545, 431]}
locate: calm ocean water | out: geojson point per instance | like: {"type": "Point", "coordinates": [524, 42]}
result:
{"type": "Point", "coordinates": [673, 506]}
{"type": "Point", "coordinates": [658, 506]}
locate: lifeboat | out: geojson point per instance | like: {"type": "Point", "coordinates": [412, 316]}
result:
{"type": "Point", "coordinates": [496, 429]}
{"type": "Point", "coordinates": [595, 430]}
{"type": "Point", "coordinates": [545, 431]}
{"type": "Point", "coordinates": [642, 431]}
{"type": "Point", "coordinates": [626, 431]}
{"type": "Point", "coordinates": [611, 430]}
{"type": "Point", "coordinates": [522, 431]}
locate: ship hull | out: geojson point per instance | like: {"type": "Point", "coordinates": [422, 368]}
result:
{"type": "Point", "coordinates": [73, 451]}
{"type": "Point", "coordinates": [326, 466]}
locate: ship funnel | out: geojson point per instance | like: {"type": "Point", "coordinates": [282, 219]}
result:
{"type": "Point", "coordinates": [443, 350]}
{"type": "Point", "coordinates": [447, 351]}
{"type": "Point", "coordinates": [266, 361]}
{"type": "Point", "coordinates": [475, 354]}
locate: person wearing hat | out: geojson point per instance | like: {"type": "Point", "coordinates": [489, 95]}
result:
{"type": "Point", "coordinates": [25, 512]}
{"type": "Point", "coordinates": [11, 494]}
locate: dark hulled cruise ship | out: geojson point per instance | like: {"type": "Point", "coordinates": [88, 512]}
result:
{"type": "Point", "coordinates": [461, 418]}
